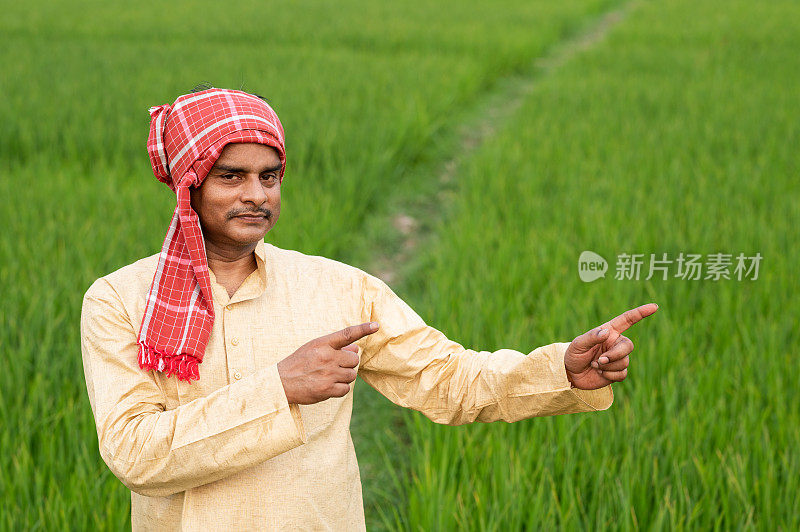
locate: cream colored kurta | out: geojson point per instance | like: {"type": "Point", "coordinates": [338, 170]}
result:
{"type": "Point", "coordinates": [228, 451]}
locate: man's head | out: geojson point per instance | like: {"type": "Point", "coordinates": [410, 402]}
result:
{"type": "Point", "coordinates": [222, 152]}
{"type": "Point", "coordinates": [240, 198]}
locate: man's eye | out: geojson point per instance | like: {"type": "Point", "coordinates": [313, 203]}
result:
{"type": "Point", "coordinates": [269, 178]}
{"type": "Point", "coordinates": [229, 177]}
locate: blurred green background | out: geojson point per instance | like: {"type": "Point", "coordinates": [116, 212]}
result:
{"type": "Point", "coordinates": [467, 152]}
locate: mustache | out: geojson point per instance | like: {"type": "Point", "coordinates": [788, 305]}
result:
{"type": "Point", "coordinates": [261, 211]}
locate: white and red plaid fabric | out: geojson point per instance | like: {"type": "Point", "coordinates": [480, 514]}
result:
{"type": "Point", "coordinates": [185, 141]}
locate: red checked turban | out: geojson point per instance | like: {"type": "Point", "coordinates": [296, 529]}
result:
{"type": "Point", "coordinates": [185, 141]}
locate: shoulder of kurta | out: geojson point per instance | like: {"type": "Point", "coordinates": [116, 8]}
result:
{"type": "Point", "coordinates": [289, 259]}
{"type": "Point", "coordinates": [133, 280]}
{"type": "Point", "coordinates": [140, 271]}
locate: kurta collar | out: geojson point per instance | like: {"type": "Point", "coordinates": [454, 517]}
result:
{"type": "Point", "coordinates": [253, 286]}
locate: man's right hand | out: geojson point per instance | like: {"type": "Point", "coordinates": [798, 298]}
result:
{"type": "Point", "coordinates": [324, 367]}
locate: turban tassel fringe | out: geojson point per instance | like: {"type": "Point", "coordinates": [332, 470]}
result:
{"type": "Point", "coordinates": [185, 367]}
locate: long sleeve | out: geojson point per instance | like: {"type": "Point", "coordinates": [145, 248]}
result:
{"type": "Point", "coordinates": [157, 451]}
{"type": "Point", "coordinates": [416, 366]}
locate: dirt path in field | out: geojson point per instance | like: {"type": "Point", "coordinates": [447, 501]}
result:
{"type": "Point", "coordinates": [412, 219]}
{"type": "Point", "coordinates": [490, 113]}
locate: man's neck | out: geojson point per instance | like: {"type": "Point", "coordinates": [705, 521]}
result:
{"type": "Point", "coordinates": [231, 265]}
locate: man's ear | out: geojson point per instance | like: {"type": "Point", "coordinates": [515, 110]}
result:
{"type": "Point", "coordinates": [194, 197]}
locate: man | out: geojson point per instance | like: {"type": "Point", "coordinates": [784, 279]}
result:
{"type": "Point", "coordinates": [220, 371]}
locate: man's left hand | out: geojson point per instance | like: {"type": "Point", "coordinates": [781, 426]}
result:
{"type": "Point", "coordinates": [599, 357]}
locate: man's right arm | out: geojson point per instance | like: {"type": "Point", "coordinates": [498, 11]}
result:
{"type": "Point", "coordinates": [159, 452]}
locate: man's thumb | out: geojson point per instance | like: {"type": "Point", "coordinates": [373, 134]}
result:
{"type": "Point", "coordinates": [589, 339]}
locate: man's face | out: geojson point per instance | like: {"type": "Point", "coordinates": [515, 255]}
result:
{"type": "Point", "coordinates": [240, 199]}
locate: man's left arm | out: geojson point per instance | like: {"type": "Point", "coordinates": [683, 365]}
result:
{"type": "Point", "coordinates": [416, 366]}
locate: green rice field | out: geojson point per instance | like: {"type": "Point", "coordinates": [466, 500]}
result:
{"type": "Point", "coordinates": [510, 136]}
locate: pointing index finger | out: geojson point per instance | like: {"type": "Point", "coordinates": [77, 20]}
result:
{"type": "Point", "coordinates": [351, 334]}
{"type": "Point", "coordinates": [630, 317]}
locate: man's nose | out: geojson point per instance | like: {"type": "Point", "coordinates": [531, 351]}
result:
{"type": "Point", "coordinates": [252, 191]}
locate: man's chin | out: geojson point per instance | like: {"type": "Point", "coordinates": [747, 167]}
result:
{"type": "Point", "coordinates": [250, 236]}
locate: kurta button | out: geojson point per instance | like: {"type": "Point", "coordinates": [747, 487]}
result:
{"type": "Point", "coordinates": [234, 341]}
{"type": "Point", "coordinates": [228, 307]}
{"type": "Point", "coordinates": [237, 375]}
